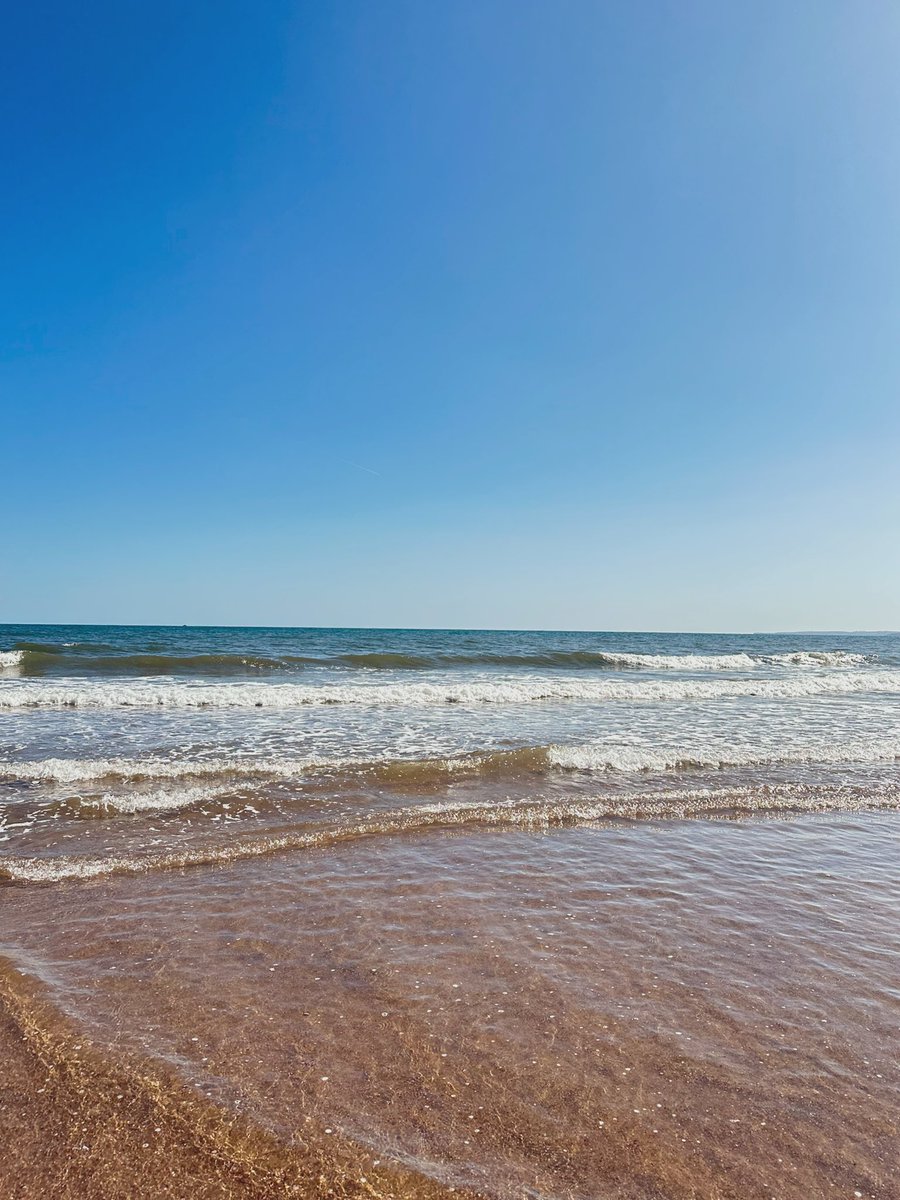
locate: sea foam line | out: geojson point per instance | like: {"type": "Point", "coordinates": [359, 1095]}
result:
{"type": "Point", "coordinates": [148, 693]}
{"type": "Point", "coordinates": [527, 815]}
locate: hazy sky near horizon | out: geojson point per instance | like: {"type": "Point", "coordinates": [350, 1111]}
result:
{"type": "Point", "coordinates": [513, 314]}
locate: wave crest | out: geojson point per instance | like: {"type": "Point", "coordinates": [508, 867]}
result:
{"type": "Point", "coordinates": [509, 690]}
{"type": "Point", "coordinates": [36, 658]}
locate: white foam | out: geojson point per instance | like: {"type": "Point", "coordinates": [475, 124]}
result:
{"type": "Point", "coordinates": [150, 693]}
{"type": "Point", "coordinates": [734, 662]}
{"type": "Point", "coordinates": [522, 814]}
{"type": "Point", "coordinates": [68, 771]}
{"type": "Point", "coordinates": [601, 758]}
{"type": "Point", "coordinates": [159, 800]}
{"type": "Point", "coordinates": [81, 770]}
{"type": "Point", "coordinates": [52, 870]}
{"type": "Point", "coordinates": [11, 660]}
{"type": "Point", "coordinates": [590, 757]}
{"type": "Point", "coordinates": [679, 662]}
{"type": "Point", "coordinates": [814, 658]}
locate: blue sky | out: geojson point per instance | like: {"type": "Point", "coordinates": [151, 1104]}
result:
{"type": "Point", "coordinates": [475, 314]}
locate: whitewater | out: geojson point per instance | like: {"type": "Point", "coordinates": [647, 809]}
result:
{"type": "Point", "coordinates": [137, 745]}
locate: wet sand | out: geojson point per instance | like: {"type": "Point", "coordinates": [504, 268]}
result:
{"type": "Point", "coordinates": [76, 1125]}
{"type": "Point", "coordinates": [688, 1010]}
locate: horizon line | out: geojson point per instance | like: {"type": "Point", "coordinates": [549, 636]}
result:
{"type": "Point", "coordinates": [445, 628]}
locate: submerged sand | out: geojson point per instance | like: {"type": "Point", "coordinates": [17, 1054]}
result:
{"type": "Point", "coordinates": [76, 1125]}
{"type": "Point", "coordinates": [682, 1010]}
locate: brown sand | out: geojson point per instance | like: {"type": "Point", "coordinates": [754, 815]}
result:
{"type": "Point", "coordinates": [669, 1011]}
{"type": "Point", "coordinates": [75, 1127]}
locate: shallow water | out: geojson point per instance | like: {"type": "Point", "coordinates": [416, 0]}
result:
{"type": "Point", "coordinates": [678, 1008]}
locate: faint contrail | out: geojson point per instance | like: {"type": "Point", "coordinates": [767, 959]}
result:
{"type": "Point", "coordinates": [360, 467]}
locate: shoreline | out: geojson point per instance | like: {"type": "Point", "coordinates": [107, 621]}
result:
{"type": "Point", "coordinates": [76, 1125]}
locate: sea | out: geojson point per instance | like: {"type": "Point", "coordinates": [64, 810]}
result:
{"type": "Point", "coordinates": [494, 913]}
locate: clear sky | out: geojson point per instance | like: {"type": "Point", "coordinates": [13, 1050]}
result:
{"type": "Point", "coordinates": [478, 313]}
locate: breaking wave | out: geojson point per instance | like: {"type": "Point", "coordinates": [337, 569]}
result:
{"type": "Point", "coordinates": [62, 693]}
{"type": "Point", "coordinates": [387, 770]}
{"type": "Point", "coordinates": [36, 658]}
{"type": "Point", "coordinates": [540, 759]}
{"type": "Point", "coordinates": [159, 800]}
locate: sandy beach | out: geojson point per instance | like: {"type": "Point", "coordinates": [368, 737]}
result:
{"type": "Point", "coordinates": [450, 601]}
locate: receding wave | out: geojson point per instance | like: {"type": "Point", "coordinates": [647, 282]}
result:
{"type": "Point", "coordinates": [510, 814]}
{"type": "Point", "coordinates": [215, 772]}
{"type": "Point", "coordinates": [36, 658]}
{"type": "Point", "coordinates": [627, 759]}
{"type": "Point", "coordinates": [156, 800]}
{"type": "Point", "coordinates": [224, 768]}
{"type": "Point", "coordinates": [83, 770]}
{"type": "Point", "coordinates": [508, 690]}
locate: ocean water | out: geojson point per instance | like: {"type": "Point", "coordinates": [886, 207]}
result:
{"type": "Point", "coordinates": [544, 914]}
{"type": "Point", "coordinates": [258, 737]}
